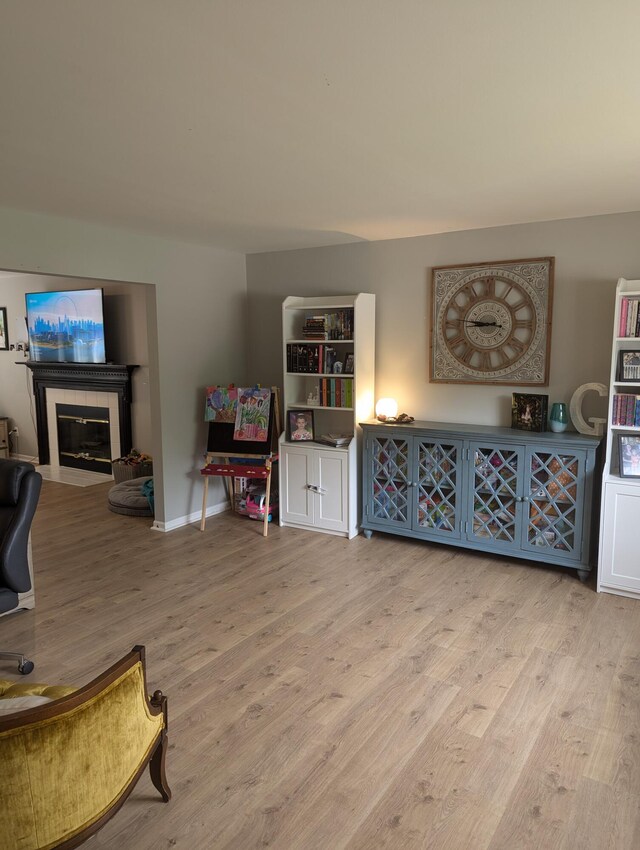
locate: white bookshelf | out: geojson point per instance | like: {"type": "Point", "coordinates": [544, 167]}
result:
{"type": "Point", "coordinates": [319, 484]}
{"type": "Point", "coordinates": [619, 554]}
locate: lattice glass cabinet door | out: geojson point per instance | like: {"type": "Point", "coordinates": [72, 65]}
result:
{"type": "Point", "coordinates": [496, 490]}
{"type": "Point", "coordinates": [554, 508]}
{"type": "Point", "coordinates": [389, 491]}
{"type": "Point", "coordinates": [438, 487]}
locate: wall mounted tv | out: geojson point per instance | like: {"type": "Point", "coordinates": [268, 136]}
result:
{"type": "Point", "coordinates": [66, 327]}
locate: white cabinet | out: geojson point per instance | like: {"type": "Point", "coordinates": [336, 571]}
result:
{"type": "Point", "coordinates": [619, 555]}
{"type": "Point", "coordinates": [314, 488]}
{"type": "Point", "coordinates": [328, 356]}
{"type": "Point", "coordinates": [619, 568]}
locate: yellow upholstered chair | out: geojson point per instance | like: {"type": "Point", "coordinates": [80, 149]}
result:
{"type": "Point", "coordinates": [69, 762]}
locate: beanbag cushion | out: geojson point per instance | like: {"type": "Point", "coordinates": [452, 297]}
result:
{"type": "Point", "coordinates": [128, 498]}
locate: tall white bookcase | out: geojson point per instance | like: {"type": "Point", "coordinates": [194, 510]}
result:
{"type": "Point", "coordinates": [619, 555]}
{"type": "Point", "coordinates": [320, 484]}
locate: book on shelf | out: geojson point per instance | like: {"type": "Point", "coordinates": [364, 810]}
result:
{"type": "Point", "coordinates": [335, 325]}
{"type": "Point", "coordinates": [625, 410]}
{"type": "Point", "coordinates": [315, 328]}
{"type": "Point", "coordinates": [309, 359]}
{"type": "Point", "coordinates": [329, 358]}
{"type": "Point", "coordinates": [335, 440]}
{"type": "Point", "coordinates": [335, 392]}
{"type": "Point", "coordinates": [629, 317]}
{"type": "Point", "coordinates": [340, 324]}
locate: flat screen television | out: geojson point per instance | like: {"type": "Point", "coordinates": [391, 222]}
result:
{"type": "Point", "coordinates": [66, 327]}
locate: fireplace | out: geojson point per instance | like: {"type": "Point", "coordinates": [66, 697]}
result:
{"type": "Point", "coordinates": [84, 440]}
{"type": "Point", "coordinates": [83, 413]}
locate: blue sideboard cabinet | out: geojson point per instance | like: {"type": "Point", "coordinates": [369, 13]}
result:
{"type": "Point", "coordinates": [528, 495]}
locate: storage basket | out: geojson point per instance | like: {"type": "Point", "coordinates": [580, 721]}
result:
{"type": "Point", "coordinates": [127, 471]}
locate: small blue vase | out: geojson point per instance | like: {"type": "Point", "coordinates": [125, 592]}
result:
{"type": "Point", "coordinates": [559, 418]}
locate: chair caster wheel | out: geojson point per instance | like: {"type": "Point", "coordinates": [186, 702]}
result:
{"type": "Point", "coordinates": [26, 667]}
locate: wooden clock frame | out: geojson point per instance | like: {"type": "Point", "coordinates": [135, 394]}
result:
{"type": "Point", "coordinates": [491, 322]}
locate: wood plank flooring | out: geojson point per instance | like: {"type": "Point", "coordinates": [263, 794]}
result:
{"type": "Point", "coordinates": [327, 694]}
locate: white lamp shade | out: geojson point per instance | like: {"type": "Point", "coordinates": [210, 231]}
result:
{"type": "Point", "coordinates": [387, 407]}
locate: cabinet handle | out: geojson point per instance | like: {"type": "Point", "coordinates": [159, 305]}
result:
{"type": "Point", "coordinates": [518, 498]}
{"type": "Point", "coordinates": [316, 489]}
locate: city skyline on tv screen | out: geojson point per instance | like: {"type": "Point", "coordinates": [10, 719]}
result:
{"type": "Point", "coordinates": [66, 326]}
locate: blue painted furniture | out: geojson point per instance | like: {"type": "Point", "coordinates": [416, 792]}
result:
{"type": "Point", "coordinates": [528, 495]}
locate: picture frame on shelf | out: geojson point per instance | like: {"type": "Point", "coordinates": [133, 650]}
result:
{"type": "Point", "coordinates": [629, 366]}
{"type": "Point", "coordinates": [4, 333]}
{"type": "Point", "coordinates": [629, 454]}
{"type": "Point", "coordinates": [529, 411]}
{"type": "Point", "coordinates": [301, 426]}
{"type": "Point", "coordinates": [348, 364]}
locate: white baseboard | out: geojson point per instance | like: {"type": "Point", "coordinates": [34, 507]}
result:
{"type": "Point", "coordinates": [196, 516]}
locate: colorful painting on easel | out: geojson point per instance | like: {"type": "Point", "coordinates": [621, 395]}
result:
{"type": "Point", "coordinates": [221, 404]}
{"type": "Point", "coordinates": [252, 414]}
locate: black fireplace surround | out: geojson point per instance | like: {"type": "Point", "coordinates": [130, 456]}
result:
{"type": "Point", "coordinates": [91, 377]}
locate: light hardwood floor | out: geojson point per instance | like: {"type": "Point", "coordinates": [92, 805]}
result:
{"type": "Point", "coordinates": [326, 693]}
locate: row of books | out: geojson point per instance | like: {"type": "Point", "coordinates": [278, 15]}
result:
{"type": "Point", "coordinates": [335, 392]}
{"type": "Point", "coordinates": [338, 325]}
{"type": "Point", "coordinates": [629, 317]}
{"type": "Point", "coordinates": [626, 410]}
{"type": "Point", "coordinates": [315, 328]}
{"type": "Point", "coordinates": [311, 359]}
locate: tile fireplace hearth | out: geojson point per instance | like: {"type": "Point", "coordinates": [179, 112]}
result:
{"type": "Point", "coordinates": [83, 413]}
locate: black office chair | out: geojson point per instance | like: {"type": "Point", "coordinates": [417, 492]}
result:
{"type": "Point", "coordinates": [20, 486]}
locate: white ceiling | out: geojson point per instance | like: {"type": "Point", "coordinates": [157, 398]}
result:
{"type": "Point", "coordinates": [267, 124]}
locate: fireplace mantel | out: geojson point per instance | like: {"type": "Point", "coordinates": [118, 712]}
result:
{"type": "Point", "coordinates": [97, 377]}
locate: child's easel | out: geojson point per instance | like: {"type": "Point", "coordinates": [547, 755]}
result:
{"type": "Point", "coordinates": [222, 446]}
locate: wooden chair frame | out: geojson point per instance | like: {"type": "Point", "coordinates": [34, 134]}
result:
{"type": "Point", "coordinates": [157, 704]}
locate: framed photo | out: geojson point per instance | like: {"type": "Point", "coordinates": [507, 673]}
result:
{"type": "Point", "coordinates": [491, 322]}
{"type": "Point", "coordinates": [337, 368]}
{"type": "Point", "coordinates": [300, 425]}
{"type": "Point", "coordinates": [629, 453]}
{"type": "Point", "coordinates": [4, 333]}
{"type": "Point", "coordinates": [529, 411]}
{"type": "Point", "coordinates": [348, 364]}
{"type": "Point", "coordinates": [629, 366]}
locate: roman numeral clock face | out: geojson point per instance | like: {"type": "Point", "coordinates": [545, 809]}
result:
{"type": "Point", "coordinates": [491, 323]}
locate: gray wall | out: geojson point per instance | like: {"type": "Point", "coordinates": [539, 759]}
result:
{"type": "Point", "coordinates": [591, 254]}
{"type": "Point", "coordinates": [126, 327]}
{"type": "Point", "coordinates": [196, 325]}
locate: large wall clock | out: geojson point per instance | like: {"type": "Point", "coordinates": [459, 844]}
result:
{"type": "Point", "coordinates": [491, 322]}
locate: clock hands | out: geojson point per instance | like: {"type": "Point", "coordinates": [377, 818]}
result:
{"type": "Point", "coordinates": [479, 324]}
